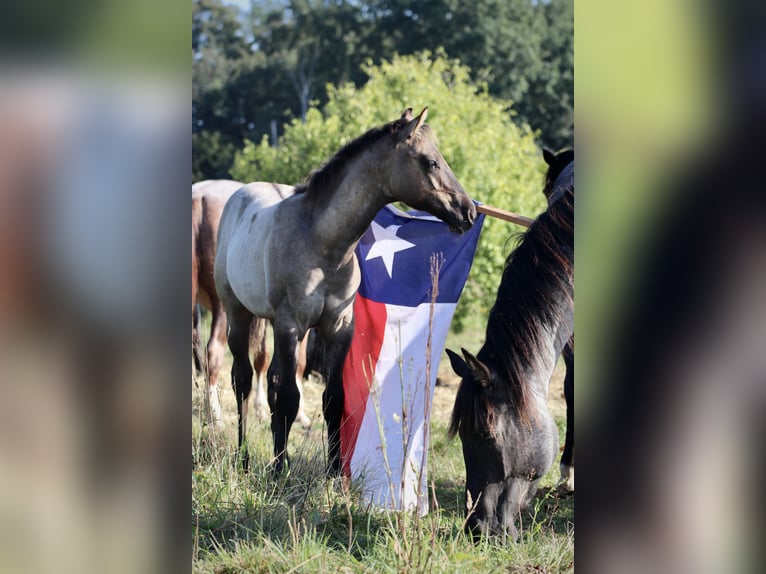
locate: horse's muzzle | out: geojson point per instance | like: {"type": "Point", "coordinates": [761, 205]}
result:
{"type": "Point", "coordinates": [478, 528]}
{"type": "Point", "coordinates": [466, 222]}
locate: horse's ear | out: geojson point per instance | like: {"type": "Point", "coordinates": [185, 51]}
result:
{"type": "Point", "coordinates": [549, 156]}
{"type": "Point", "coordinates": [478, 370]}
{"type": "Point", "coordinates": [421, 119]}
{"type": "Point", "coordinates": [458, 364]}
{"type": "Point", "coordinates": [407, 115]}
{"type": "Point", "coordinates": [414, 125]}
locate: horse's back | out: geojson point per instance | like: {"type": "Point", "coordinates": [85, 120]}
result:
{"type": "Point", "coordinates": [209, 198]}
{"type": "Point", "coordinates": [215, 190]}
{"type": "Point", "coordinates": [261, 194]}
{"type": "Point", "coordinates": [246, 203]}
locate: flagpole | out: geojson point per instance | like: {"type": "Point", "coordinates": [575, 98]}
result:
{"type": "Point", "coordinates": [504, 215]}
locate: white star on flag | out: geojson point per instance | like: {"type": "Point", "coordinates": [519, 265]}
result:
{"type": "Point", "coordinates": [386, 245]}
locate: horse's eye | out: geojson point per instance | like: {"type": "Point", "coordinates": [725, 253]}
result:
{"type": "Point", "coordinates": [432, 164]}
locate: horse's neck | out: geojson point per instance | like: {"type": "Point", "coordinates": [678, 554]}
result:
{"type": "Point", "coordinates": [551, 350]}
{"type": "Point", "coordinates": [343, 219]}
{"type": "Point", "coordinates": [539, 365]}
{"type": "Point", "coordinates": [537, 373]}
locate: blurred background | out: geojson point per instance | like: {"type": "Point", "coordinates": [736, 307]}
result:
{"type": "Point", "coordinates": [95, 159]}
{"type": "Point", "coordinates": [94, 175]}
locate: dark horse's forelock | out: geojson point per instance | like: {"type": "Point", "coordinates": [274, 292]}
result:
{"type": "Point", "coordinates": [323, 182]}
{"type": "Point", "coordinates": [536, 292]}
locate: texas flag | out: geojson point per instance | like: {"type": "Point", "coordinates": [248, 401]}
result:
{"type": "Point", "coordinates": [387, 380]}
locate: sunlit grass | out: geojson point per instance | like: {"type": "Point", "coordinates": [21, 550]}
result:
{"type": "Point", "coordinates": [303, 522]}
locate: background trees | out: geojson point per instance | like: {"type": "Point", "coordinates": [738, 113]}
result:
{"type": "Point", "coordinates": [256, 70]}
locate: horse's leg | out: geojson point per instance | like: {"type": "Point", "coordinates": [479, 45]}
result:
{"type": "Point", "coordinates": [284, 396]}
{"type": "Point", "coordinates": [260, 364]}
{"type": "Point", "coordinates": [199, 362]}
{"type": "Point", "coordinates": [196, 342]}
{"type": "Point", "coordinates": [301, 417]}
{"type": "Point", "coordinates": [241, 376]}
{"type": "Point", "coordinates": [195, 308]}
{"type": "Point", "coordinates": [567, 458]}
{"type": "Point", "coordinates": [216, 346]}
{"type": "Point", "coordinates": [336, 348]}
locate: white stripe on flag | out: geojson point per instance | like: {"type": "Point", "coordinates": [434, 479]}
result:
{"type": "Point", "coordinates": [396, 410]}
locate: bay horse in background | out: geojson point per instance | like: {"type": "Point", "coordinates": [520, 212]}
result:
{"type": "Point", "coordinates": [559, 176]}
{"type": "Point", "coordinates": [508, 435]}
{"type": "Point", "coordinates": [208, 200]}
{"type": "Point", "coordinates": [292, 260]}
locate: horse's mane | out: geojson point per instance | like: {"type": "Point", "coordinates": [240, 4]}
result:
{"type": "Point", "coordinates": [536, 291]}
{"type": "Point", "coordinates": [322, 183]}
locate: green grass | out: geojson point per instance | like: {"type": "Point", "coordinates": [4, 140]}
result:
{"type": "Point", "coordinates": [303, 522]}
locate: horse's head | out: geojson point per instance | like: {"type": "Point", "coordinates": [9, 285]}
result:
{"type": "Point", "coordinates": [556, 164]}
{"type": "Point", "coordinates": [496, 449]}
{"type": "Point", "coordinates": [421, 177]}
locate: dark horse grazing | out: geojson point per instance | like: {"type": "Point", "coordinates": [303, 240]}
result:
{"type": "Point", "coordinates": [509, 437]}
{"type": "Point", "coordinates": [208, 200]}
{"type": "Point", "coordinates": [293, 260]}
{"type": "Point", "coordinates": [559, 176]}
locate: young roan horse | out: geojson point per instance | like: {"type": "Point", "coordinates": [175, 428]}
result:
{"type": "Point", "coordinates": [208, 200]}
{"type": "Point", "coordinates": [508, 435]}
{"type": "Point", "coordinates": [292, 261]}
{"type": "Point", "coordinates": [558, 178]}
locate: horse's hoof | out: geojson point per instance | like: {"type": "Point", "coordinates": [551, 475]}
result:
{"type": "Point", "coordinates": [566, 484]}
{"type": "Point", "coordinates": [279, 466]}
{"type": "Point", "coordinates": [244, 462]}
{"type": "Point", "coordinates": [334, 469]}
{"type": "Point", "coordinates": [303, 420]}
{"type": "Point", "coordinates": [216, 423]}
{"type": "Point", "coordinates": [262, 412]}
{"type": "Point", "coordinates": [215, 413]}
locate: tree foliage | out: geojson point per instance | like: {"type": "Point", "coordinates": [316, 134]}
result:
{"type": "Point", "coordinates": [496, 160]}
{"type": "Point", "coordinates": [255, 71]}
{"type": "Point", "coordinates": [220, 52]}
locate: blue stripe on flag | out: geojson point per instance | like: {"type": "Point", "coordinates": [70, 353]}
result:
{"type": "Point", "coordinates": [393, 270]}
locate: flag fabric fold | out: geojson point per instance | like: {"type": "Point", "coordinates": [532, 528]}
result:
{"type": "Point", "coordinates": [387, 380]}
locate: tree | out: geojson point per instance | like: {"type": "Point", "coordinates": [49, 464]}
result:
{"type": "Point", "coordinates": [259, 69]}
{"type": "Point", "coordinates": [496, 160]}
{"type": "Point", "coordinates": [552, 91]}
{"type": "Point", "coordinates": [312, 43]}
{"type": "Point", "coordinates": [520, 48]}
{"type": "Point", "coordinates": [212, 155]}
{"type": "Point", "coordinates": [219, 47]}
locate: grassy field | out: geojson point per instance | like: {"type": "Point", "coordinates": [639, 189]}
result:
{"type": "Point", "coordinates": [303, 522]}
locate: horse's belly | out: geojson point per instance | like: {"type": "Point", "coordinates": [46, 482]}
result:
{"type": "Point", "coordinates": [245, 266]}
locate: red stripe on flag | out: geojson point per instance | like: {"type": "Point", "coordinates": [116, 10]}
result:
{"type": "Point", "coordinates": [359, 371]}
